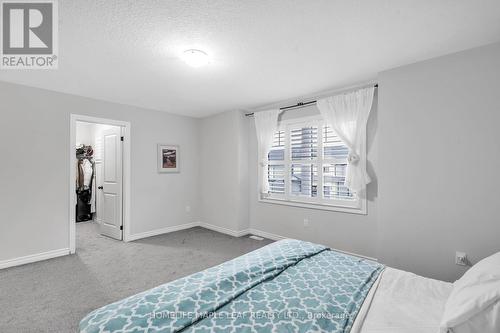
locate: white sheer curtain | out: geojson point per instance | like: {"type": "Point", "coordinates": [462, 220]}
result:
{"type": "Point", "coordinates": [348, 114]}
{"type": "Point", "coordinates": [266, 124]}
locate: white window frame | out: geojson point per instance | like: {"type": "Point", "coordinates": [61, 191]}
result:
{"type": "Point", "coordinates": [356, 206]}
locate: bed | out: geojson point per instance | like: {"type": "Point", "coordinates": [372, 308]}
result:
{"type": "Point", "coordinates": [403, 302]}
{"type": "Point", "coordinates": [287, 286]}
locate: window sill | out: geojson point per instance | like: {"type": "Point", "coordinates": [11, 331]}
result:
{"type": "Point", "coordinates": [351, 210]}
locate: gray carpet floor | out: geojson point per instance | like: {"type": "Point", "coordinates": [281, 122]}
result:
{"type": "Point", "coordinates": [54, 295]}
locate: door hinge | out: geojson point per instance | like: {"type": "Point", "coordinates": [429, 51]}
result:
{"type": "Point", "coordinates": [121, 138]}
{"type": "Point", "coordinates": [121, 227]}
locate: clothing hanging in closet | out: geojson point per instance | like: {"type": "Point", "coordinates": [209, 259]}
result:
{"type": "Point", "coordinates": [85, 191]}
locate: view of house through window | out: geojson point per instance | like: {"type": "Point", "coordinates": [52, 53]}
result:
{"type": "Point", "coordinates": [307, 163]}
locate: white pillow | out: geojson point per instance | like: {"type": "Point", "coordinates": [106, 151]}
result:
{"type": "Point", "coordinates": [474, 303]}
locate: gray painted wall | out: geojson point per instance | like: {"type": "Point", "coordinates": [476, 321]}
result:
{"type": "Point", "coordinates": [224, 170]}
{"type": "Point", "coordinates": [445, 111]}
{"type": "Point", "coordinates": [34, 142]}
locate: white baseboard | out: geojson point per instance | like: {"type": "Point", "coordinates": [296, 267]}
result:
{"type": "Point", "coordinates": [213, 227]}
{"type": "Point", "coordinates": [227, 231]}
{"type": "Point", "coordinates": [161, 231]}
{"type": "Point", "coordinates": [275, 237]}
{"type": "Point", "coordinates": [265, 234]}
{"type": "Point", "coordinates": [33, 258]}
{"type": "Point", "coordinates": [179, 227]}
{"type": "Point", "coordinates": [353, 254]}
{"type": "Point", "coordinates": [240, 233]}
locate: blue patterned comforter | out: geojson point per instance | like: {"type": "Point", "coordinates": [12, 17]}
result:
{"type": "Point", "coordinates": [287, 286]}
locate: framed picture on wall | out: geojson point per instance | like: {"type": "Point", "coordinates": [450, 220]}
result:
{"type": "Point", "coordinates": [168, 158]}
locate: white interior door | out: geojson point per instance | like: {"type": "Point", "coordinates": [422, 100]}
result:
{"type": "Point", "coordinates": [111, 217]}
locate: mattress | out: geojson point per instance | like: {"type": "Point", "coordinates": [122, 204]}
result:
{"type": "Point", "coordinates": [403, 302]}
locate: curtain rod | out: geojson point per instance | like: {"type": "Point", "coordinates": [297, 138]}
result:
{"type": "Point", "coordinates": [298, 105]}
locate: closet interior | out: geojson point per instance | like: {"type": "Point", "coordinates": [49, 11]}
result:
{"type": "Point", "coordinates": [85, 183]}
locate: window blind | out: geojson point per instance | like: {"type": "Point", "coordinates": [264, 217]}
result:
{"type": "Point", "coordinates": [308, 168]}
{"type": "Point", "coordinates": [304, 143]}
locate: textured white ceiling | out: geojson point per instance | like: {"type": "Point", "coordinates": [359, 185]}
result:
{"type": "Point", "coordinates": [262, 51]}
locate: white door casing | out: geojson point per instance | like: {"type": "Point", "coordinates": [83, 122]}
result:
{"type": "Point", "coordinates": [126, 175]}
{"type": "Point", "coordinates": [111, 209]}
{"type": "Point", "coordinates": [98, 182]}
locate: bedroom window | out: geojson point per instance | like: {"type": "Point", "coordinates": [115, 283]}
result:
{"type": "Point", "coordinates": [307, 168]}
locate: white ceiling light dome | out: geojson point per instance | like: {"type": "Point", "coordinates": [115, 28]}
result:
{"type": "Point", "coordinates": [195, 58]}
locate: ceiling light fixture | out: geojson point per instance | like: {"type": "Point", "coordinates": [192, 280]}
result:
{"type": "Point", "coordinates": [195, 58]}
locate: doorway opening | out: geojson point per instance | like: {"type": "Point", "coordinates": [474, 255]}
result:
{"type": "Point", "coordinates": [99, 178]}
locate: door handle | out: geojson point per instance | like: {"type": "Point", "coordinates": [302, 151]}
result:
{"type": "Point", "coordinates": [100, 188]}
